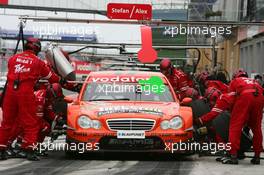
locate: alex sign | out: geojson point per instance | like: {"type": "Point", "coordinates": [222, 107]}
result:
{"type": "Point", "coordinates": [129, 11]}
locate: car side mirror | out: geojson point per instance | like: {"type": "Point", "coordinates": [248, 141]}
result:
{"type": "Point", "coordinates": [186, 101]}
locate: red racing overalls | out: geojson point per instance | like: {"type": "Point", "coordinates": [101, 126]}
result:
{"type": "Point", "coordinates": [224, 102]}
{"type": "Point", "coordinates": [218, 85]}
{"type": "Point", "coordinates": [248, 108]}
{"type": "Point", "coordinates": [19, 103]}
{"type": "Point", "coordinates": [180, 82]}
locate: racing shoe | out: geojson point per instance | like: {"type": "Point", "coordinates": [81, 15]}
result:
{"type": "Point", "coordinates": [220, 153]}
{"type": "Point", "coordinates": [42, 154]}
{"type": "Point", "coordinates": [10, 153]}
{"type": "Point", "coordinates": [220, 159]}
{"type": "Point", "coordinates": [255, 161]}
{"type": "Point", "coordinates": [224, 155]}
{"type": "Point", "coordinates": [232, 159]}
{"type": "Point", "coordinates": [3, 155]}
{"type": "Point", "coordinates": [31, 155]}
{"type": "Point", "coordinates": [241, 156]}
{"type": "Point", "coordinates": [21, 154]}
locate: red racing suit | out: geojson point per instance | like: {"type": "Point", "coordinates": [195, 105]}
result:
{"type": "Point", "coordinates": [218, 85]}
{"type": "Point", "coordinates": [19, 104]}
{"type": "Point", "coordinates": [44, 115]}
{"type": "Point", "coordinates": [247, 109]}
{"type": "Point", "coordinates": [180, 82]}
{"type": "Point", "coordinates": [44, 125]}
{"type": "Point", "coordinates": [224, 102]}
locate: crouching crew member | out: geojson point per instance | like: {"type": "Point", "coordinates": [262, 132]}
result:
{"type": "Point", "coordinates": [177, 78]}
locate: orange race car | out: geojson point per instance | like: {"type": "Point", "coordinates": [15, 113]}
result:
{"type": "Point", "coordinates": [128, 111]}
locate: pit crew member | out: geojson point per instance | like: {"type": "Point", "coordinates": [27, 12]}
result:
{"type": "Point", "coordinates": [24, 69]}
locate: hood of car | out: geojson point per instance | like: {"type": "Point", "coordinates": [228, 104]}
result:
{"type": "Point", "coordinates": [129, 109]}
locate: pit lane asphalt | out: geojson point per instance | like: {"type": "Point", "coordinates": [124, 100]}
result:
{"type": "Point", "coordinates": [125, 164]}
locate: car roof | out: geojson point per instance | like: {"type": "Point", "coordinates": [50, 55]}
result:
{"type": "Point", "coordinates": [135, 74]}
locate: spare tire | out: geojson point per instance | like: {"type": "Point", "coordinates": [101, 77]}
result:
{"type": "Point", "coordinates": [221, 125]}
{"type": "Point", "coordinates": [199, 108]}
{"type": "Point", "coordinates": [60, 106]}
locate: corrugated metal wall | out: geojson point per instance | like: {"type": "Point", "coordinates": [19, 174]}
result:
{"type": "Point", "coordinates": [252, 55]}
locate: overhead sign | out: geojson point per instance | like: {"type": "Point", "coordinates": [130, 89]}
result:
{"type": "Point", "coordinates": [3, 2]}
{"type": "Point", "coordinates": [129, 11]}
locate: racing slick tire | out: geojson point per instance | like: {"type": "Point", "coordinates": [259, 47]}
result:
{"type": "Point", "coordinates": [59, 106]}
{"type": "Point", "coordinates": [221, 125]}
{"type": "Point", "coordinates": [199, 108]}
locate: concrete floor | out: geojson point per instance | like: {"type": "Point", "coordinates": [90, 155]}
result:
{"type": "Point", "coordinates": [134, 164]}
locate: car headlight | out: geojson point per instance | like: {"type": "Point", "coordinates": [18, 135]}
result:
{"type": "Point", "coordinates": [96, 124]}
{"type": "Point", "coordinates": [85, 122]}
{"type": "Point", "coordinates": [165, 124]}
{"type": "Point", "coordinates": [174, 123]}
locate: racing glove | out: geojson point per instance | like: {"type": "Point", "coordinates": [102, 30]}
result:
{"type": "Point", "coordinates": [198, 122]}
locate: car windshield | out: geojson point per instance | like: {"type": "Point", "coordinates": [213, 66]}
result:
{"type": "Point", "coordinates": [126, 91]}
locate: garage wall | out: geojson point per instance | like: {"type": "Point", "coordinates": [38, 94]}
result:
{"type": "Point", "coordinates": [252, 55]}
{"type": "Point", "coordinates": [228, 55]}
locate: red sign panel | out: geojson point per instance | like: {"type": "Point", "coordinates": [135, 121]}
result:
{"type": "Point", "coordinates": [129, 11]}
{"type": "Point", "coordinates": [83, 67]}
{"type": "Point", "coordinates": [3, 2]}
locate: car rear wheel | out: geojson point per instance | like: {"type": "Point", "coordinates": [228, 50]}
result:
{"type": "Point", "coordinates": [221, 125]}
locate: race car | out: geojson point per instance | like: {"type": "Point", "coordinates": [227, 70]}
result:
{"type": "Point", "coordinates": [128, 111]}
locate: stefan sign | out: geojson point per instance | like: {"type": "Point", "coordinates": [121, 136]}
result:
{"type": "Point", "coordinates": [129, 11]}
{"type": "Point", "coordinates": [3, 2]}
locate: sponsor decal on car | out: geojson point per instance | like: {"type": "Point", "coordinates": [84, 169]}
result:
{"type": "Point", "coordinates": [129, 109]}
{"type": "Point", "coordinates": [130, 134]}
{"type": "Point", "coordinates": [146, 141]}
{"type": "Point", "coordinates": [130, 79]}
